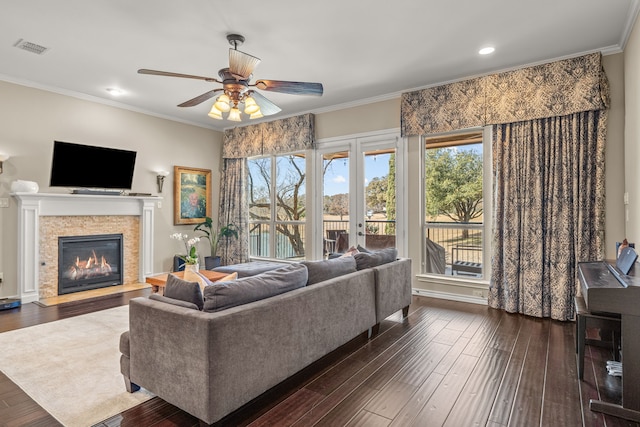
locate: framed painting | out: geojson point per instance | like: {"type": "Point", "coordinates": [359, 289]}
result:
{"type": "Point", "coordinates": [192, 195]}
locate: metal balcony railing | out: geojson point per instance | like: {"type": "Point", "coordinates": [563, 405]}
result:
{"type": "Point", "coordinates": [462, 242]}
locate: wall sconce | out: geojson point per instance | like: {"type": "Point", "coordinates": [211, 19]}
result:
{"type": "Point", "coordinates": [3, 158]}
{"type": "Point", "coordinates": [160, 179]}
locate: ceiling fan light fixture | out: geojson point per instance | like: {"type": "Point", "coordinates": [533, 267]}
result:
{"type": "Point", "coordinates": [222, 103]}
{"type": "Point", "coordinates": [215, 113]}
{"type": "Point", "coordinates": [234, 115]}
{"type": "Point", "coordinates": [236, 96]}
{"type": "Point", "coordinates": [250, 105]}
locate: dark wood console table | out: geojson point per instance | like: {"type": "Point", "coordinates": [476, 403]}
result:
{"type": "Point", "coordinates": [605, 289]}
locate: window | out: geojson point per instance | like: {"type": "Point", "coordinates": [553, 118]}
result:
{"type": "Point", "coordinates": [277, 206]}
{"type": "Point", "coordinates": [454, 195]}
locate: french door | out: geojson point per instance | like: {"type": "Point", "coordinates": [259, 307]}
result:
{"type": "Point", "coordinates": [361, 185]}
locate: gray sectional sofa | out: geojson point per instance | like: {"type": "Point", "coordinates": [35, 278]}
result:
{"type": "Point", "coordinates": [255, 332]}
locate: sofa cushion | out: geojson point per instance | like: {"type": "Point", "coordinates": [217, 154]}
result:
{"type": "Point", "coordinates": [223, 295]}
{"type": "Point", "coordinates": [247, 269]}
{"type": "Point", "coordinates": [167, 300]}
{"type": "Point", "coordinates": [184, 290]}
{"type": "Point", "coordinates": [375, 258]}
{"type": "Point", "coordinates": [125, 347]}
{"type": "Point", "coordinates": [319, 271]}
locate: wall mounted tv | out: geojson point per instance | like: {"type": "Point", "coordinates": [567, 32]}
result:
{"type": "Point", "coordinates": [91, 167]}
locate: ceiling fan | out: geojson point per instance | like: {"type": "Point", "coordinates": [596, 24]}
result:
{"type": "Point", "coordinates": [236, 87]}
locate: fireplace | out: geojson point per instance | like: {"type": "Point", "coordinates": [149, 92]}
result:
{"type": "Point", "coordinates": [89, 262]}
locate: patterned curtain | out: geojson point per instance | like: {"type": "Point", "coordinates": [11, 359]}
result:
{"type": "Point", "coordinates": [234, 210]}
{"type": "Point", "coordinates": [547, 90]}
{"type": "Point", "coordinates": [548, 172]}
{"type": "Point", "coordinates": [278, 136]}
{"type": "Point", "coordinates": [548, 211]}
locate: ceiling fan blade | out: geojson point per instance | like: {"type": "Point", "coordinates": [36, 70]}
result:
{"type": "Point", "coordinates": [293, 88]}
{"type": "Point", "coordinates": [267, 107]}
{"type": "Point", "coordinates": [242, 64]}
{"type": "Point", "coordinates": [200, 99]}
{"type": "Point", "coordinates": [168, 74]}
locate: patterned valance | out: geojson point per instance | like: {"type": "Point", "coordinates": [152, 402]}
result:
{"type": "Point", "coordinates": [279, 136]}
{"type": "Point", "coordinates": [454, 106]}
{"type": "Point", "coordinates": [548, 90]}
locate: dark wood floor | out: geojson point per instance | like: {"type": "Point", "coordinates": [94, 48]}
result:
{"type": "Point", "coordinates": [447, 364]}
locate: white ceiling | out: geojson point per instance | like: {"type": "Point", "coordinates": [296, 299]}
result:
{"type": "Point", "coordinates": [361, 51]}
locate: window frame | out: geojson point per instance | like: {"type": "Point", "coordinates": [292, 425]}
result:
{"type": "Point", "coordinates": [487, 190]}
{"type": "Point", "coordinates": [273, 222]}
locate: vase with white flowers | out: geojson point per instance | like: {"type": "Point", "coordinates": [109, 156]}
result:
{"type": "Point", "coordinates": [191, 259]}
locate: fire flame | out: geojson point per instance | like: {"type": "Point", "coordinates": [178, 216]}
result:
{"type": "Point", "coordinates": [91, 267]}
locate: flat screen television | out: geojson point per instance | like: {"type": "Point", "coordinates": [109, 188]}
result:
{"type": "Point", "coordinates": [88, 166]}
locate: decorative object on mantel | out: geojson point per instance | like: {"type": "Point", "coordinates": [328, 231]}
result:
{"type": "Point", "coordinates": [191, 259]}
{"type": "Point", "coordinates": [3, 158]}
{"type": "Point", "coordinates": [214, 236]}
{"type": "Point", "coordinates": [160, 179]}
{"type": "Point", "coordinates": [192, 195]}
{"type": "Point", "coordinates": [235, 87]}
{"type": "Point", "coordinates": [20, 186]}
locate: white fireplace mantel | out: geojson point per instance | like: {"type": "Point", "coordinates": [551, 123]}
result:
{"type": "Point", "coordinates": [31, 206]}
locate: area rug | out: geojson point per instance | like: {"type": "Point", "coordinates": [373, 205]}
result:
{"type": "Point", "coordinates": [71, 367]}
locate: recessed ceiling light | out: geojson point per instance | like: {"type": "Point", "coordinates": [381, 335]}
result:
{"type": "Point", "coordinates": [115, 91]}
{"type": "Point", "coordinates": [486, 50]}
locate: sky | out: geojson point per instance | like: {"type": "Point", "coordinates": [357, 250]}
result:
{"type": "Point", "coordinates": [336, 180]}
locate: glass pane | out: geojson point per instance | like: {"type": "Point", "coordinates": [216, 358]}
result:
{"type": "Point", "coordinates": [259, 189]}
{"type": "Point", "coordinates": [453, 206]}
{"type": "Point", "coordinates": [335, 207]}
{"type": "Point", "coordinates": [290, 188]}
{"type": "Point", "coordinates": [259, 239]}
{"type": "Point", "coordinates": [290, 241]}
{"type": "Point", "coordinates": [380, 199]}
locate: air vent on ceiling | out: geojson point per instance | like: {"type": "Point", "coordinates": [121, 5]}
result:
{"type": "Point", "coordinates": [30, 47]}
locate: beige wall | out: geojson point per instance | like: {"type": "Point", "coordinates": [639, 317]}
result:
{"type": "Point", "coordinates": [378, 116]}
{"type": "Point", "coordinates": [632, 133]}
{"type": "Point", "coordinates": [614, 155]}
{"type": "Point", "coordinates": [32, 119]}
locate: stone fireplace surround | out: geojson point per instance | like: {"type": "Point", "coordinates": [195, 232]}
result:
{"type": "Point", "coordinates": [33, 206]}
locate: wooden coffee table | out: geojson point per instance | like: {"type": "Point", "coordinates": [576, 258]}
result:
{"type": "Point", "coordinates": [160, 280]}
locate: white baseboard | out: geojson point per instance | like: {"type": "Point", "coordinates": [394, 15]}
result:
{"type": "Point", "coordinates": [450, 296]}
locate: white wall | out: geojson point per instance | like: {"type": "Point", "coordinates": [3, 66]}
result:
{"type": "Point", "coordinates": [32, 119]}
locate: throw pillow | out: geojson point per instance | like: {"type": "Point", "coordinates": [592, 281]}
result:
{"type": "Point", "coordinates": [184, 290]}
{"type": "Point", "coordinates": [361, 249]}
{"type": "Point", "coordinates": [196, 276]}
{"type": "Point", "coordinates": [222, 295]}
{"type": "Point", "coordinates": [319, 271]}
{"type": "Point", "coordinates": [228, 278]}
{"type": "Point", "coordinates": [375, 258]}
{"type": "Point", "coordinates": [350, 252]}
{"type": "Point", "coordinates": [203, 281]}
{"type": "Point", "coordinates": [172, 301]}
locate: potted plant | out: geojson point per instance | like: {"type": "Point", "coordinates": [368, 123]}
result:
{"type": "Point", "coordinates": [214, 236]}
